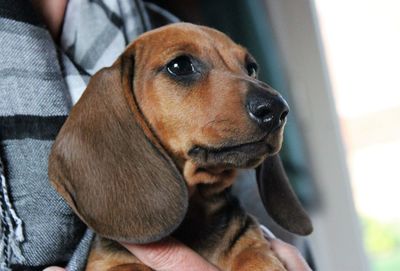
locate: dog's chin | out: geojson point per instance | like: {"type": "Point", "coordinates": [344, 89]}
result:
{"type": "Point", "coordinates": [234, 156]}
{"type": "Point", "coordinates": [212, 165]}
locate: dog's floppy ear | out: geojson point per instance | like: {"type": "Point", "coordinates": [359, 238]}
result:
{"type": "Point", "coordinates": [111, 169]}
{"type": "Point", "coordinates": [279, 198]}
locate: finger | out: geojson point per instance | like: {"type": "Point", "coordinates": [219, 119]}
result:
{"type": "Point", "coordinates": [170, 255]}
{"type": "Point", "coordinates": [54, 268]}
{"type": "Point", "coordinates": [289, 256]}
{"type": "Point", "coordinates": [267, 233]}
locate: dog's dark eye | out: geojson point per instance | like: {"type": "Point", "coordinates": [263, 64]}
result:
{"type": "Point", "coordinates": [252, 69]}
{"type": "Point", "coordinates": [181, 66]}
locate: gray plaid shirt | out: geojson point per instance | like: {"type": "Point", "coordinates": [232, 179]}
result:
{"type": "Point", "coordinates": [38, 85]}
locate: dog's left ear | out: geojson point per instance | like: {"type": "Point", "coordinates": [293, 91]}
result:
{"type": "Point", "coordinates": [110, 167]}
{"type": "Point", "coordinates": [279, 199]}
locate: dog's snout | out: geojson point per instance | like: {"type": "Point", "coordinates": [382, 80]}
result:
{"type": "Point", "coordinates": [268, 110]}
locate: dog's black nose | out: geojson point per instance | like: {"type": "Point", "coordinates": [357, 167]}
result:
{"type": "Point", "coordinates": [268, 110]}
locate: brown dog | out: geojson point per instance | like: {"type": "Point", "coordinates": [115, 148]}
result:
{"type": "Point", "coordinates": [155, 142]}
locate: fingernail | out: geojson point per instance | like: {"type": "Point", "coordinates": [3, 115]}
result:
{"type": "Point", "coordinates": [267, 233]}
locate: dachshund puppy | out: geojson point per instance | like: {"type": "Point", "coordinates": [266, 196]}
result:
{"type": "Point", "coordinates": [154, 144]}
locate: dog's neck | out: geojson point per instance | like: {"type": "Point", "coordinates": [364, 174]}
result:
{"type": "Point", "coordinates": [209, 188]}
{"type": "Point", "coordinates": [210, 180]}
{"type": "Point", "coordinates": [210, 222]}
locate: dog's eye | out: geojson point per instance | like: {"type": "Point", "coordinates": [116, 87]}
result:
{"type": "Point", "coordinates": [181, 66]}
{"type": "Point", "coordinates": [252, 69]}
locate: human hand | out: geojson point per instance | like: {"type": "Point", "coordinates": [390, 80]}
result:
{"type": "Point", "coordinates": [170, 255]}
{"type": "Point", "coordinates": [166, 255]}
{"type": "Point", "coordinates": [287, 254]}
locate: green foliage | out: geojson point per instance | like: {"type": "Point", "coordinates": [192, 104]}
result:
{"type": "Point", "coordinates": [390, 262]}
{"type": "Point", "coordinates": [382, 242]}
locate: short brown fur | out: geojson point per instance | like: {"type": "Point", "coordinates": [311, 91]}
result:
{"type": "Point", "coordinates": [123, 160]}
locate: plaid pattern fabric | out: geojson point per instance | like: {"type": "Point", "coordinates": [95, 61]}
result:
{"type": "Point", "coordinates": [38, 85]}
{"type": "Point", "coordinates": [36, 223]}
{"type": "Point", "coordinates": [96, 32]}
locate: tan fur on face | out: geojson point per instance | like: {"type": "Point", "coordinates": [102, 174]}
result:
{"type": "Point", "coordinates": [211, 111]}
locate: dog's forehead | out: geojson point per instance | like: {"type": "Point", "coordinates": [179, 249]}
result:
{"type": "Point", "coordinates": [189, 37]}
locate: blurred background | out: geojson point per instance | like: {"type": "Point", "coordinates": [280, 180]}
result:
{"type": "Point", "coordinates": [337, 63]}
{"type": "Point", "coordinates": [361, 40]}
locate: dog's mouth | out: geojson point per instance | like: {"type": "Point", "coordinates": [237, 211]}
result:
{"type": "Point", "coordinates": [243, 155]}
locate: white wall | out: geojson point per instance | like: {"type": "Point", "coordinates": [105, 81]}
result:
{"type": "Point", "coordinates": [336, 242]}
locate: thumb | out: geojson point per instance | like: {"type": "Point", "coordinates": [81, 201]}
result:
{"type": "Point", "coordinates": [54, 268]}
{"type": "Point", "coordinates": [289, 255]}
{"type": "Point", "coordinates": [169, 255]}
